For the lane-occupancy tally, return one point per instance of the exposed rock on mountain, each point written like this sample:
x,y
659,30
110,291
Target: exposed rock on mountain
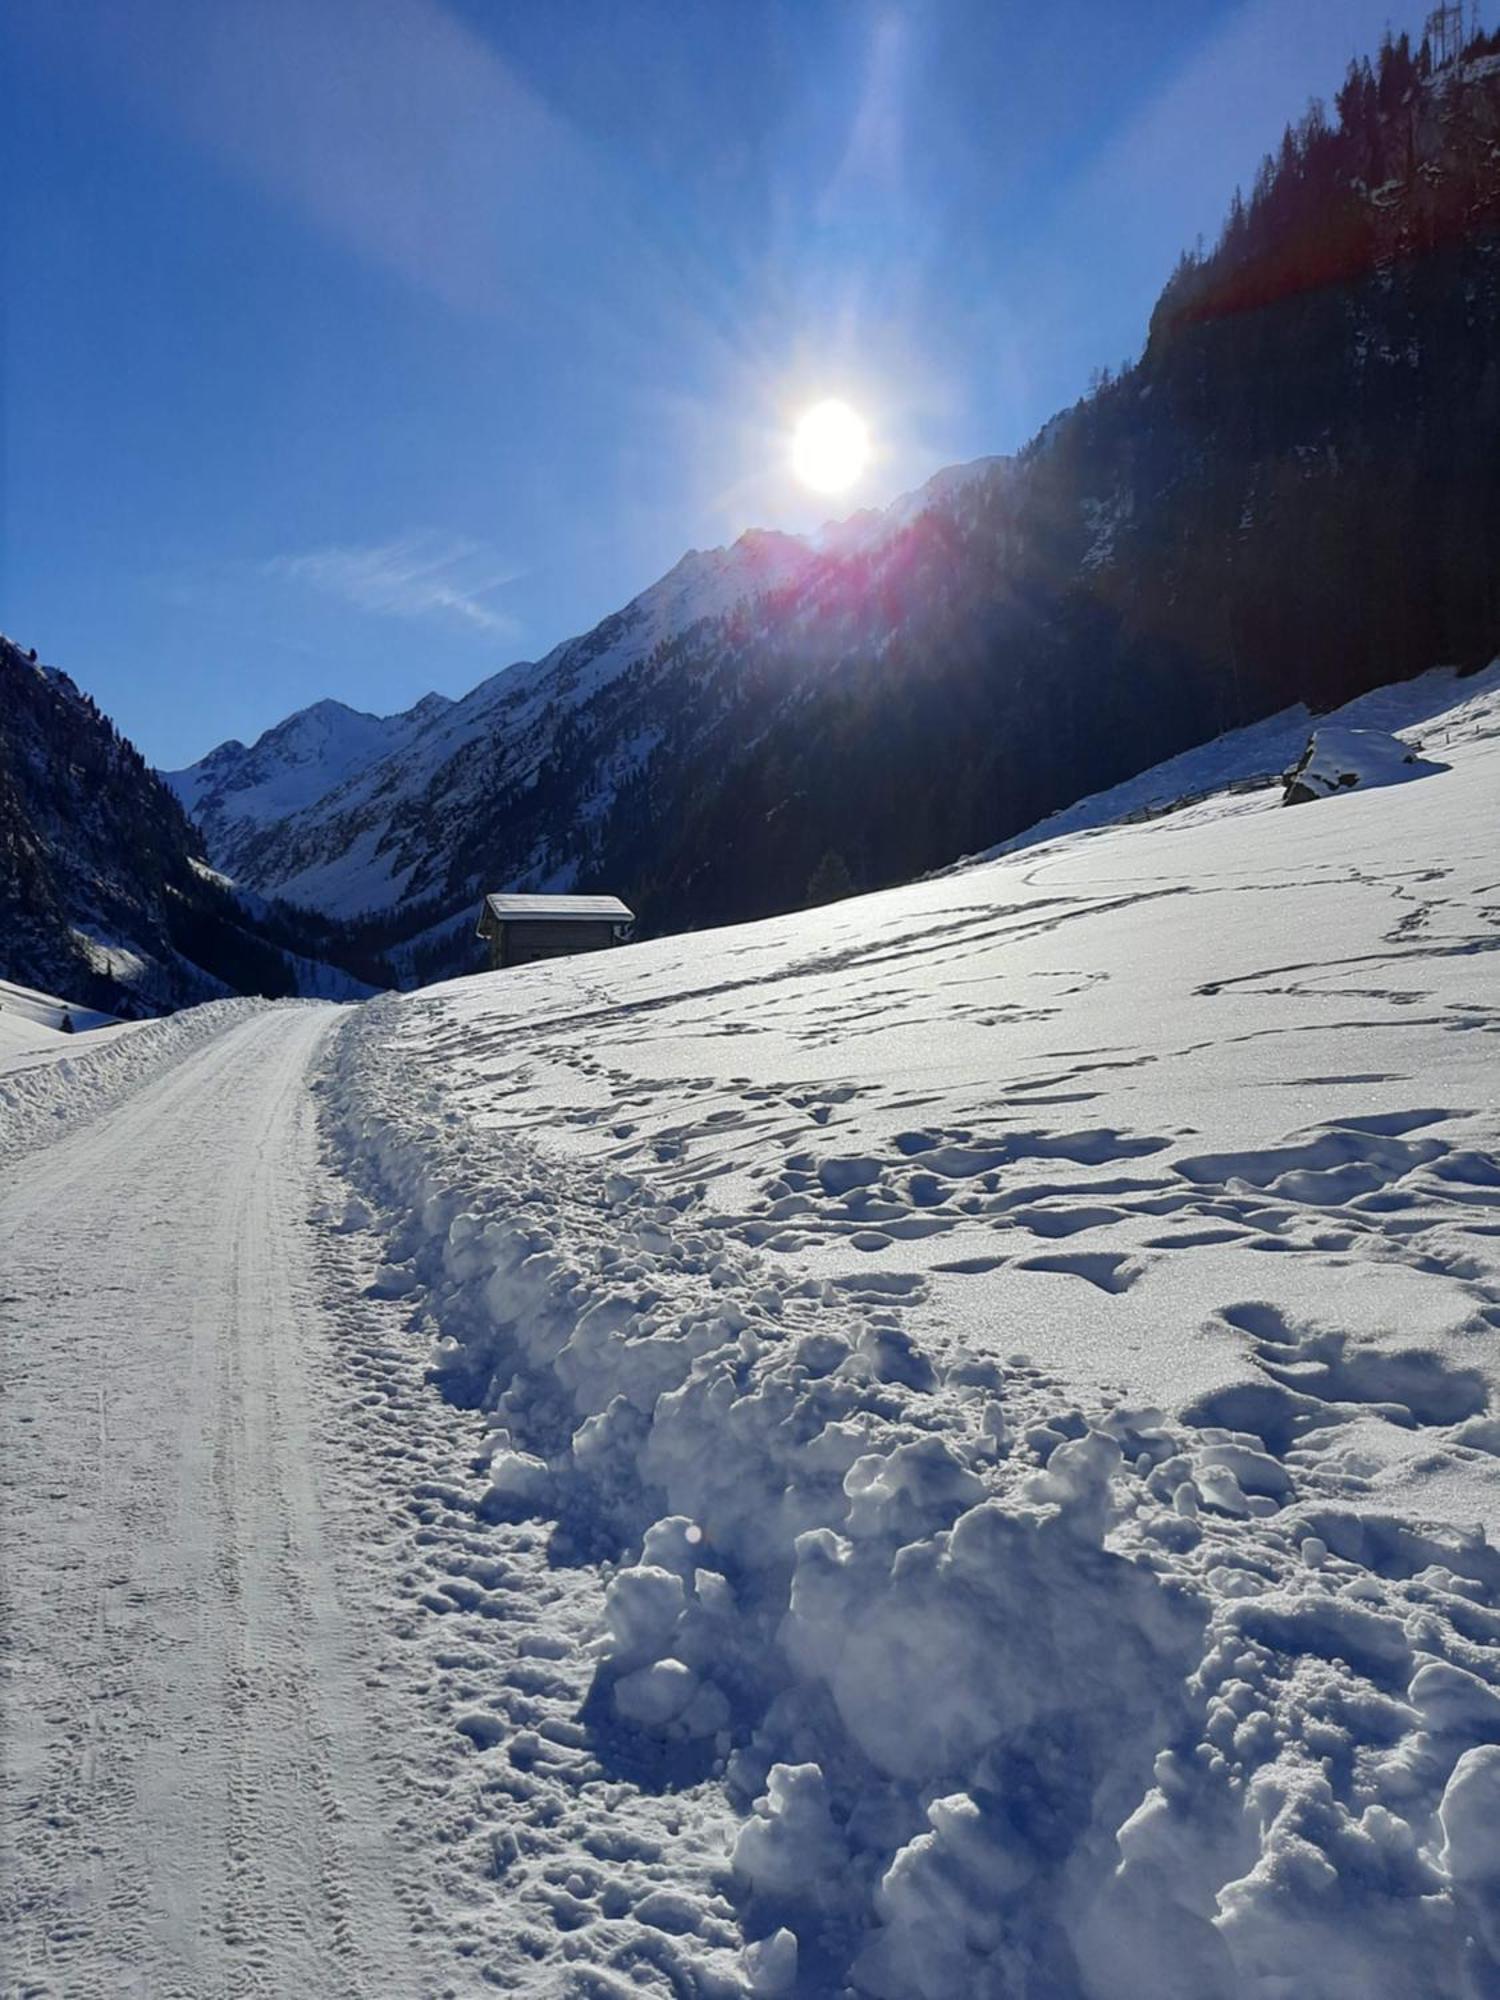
x,y
1338,759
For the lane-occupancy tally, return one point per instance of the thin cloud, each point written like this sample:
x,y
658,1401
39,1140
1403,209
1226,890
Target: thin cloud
x,y
393,125
873,167
415,576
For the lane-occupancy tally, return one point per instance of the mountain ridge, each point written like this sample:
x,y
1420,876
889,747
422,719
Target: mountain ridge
x,y
1291,496
228,769
280,845
105,895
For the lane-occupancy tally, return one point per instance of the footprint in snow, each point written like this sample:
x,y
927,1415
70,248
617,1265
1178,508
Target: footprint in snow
x,y
1110,1271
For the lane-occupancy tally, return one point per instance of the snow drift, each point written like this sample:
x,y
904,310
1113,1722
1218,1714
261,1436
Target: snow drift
x,y
69,1080
1338,758
1019,1354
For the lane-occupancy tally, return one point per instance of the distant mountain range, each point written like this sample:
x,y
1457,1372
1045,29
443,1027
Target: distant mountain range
x,y
1294,495
403,820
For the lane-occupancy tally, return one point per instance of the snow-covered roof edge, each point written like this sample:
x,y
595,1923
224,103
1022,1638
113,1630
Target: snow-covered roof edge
x,y
558,909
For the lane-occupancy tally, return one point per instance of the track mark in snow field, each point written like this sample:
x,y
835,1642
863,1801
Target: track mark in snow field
x,y
1109,1271
192,1799
1408,1386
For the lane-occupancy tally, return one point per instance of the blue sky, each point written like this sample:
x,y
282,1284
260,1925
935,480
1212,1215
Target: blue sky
x,y
359,347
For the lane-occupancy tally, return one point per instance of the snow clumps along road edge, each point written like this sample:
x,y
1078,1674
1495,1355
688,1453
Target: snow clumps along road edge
x,y
1012,1698
43,1096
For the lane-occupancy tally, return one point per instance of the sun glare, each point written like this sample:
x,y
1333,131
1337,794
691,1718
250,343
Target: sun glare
x,y
830,446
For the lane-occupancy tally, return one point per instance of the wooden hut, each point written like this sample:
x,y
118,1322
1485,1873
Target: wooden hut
x,y
520,929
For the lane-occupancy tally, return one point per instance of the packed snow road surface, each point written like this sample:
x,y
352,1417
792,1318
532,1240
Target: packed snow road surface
x,y
192,1802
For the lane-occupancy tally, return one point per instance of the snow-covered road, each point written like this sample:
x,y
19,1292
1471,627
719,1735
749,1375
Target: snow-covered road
x,y
944,1445
194,1800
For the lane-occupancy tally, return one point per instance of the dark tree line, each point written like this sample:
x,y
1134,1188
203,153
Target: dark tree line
x,y
1293,495
92,843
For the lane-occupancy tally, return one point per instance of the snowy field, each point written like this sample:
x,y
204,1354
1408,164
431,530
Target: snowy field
x,y
945,1445
1023,1353
32,1021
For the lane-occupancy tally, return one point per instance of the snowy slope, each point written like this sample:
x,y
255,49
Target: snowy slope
x,y
1007,1368
348,813
294,764
46,1010
22,1034
1429,709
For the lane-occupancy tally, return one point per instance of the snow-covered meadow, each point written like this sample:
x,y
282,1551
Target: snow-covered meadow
x,y
31,1021
981,1412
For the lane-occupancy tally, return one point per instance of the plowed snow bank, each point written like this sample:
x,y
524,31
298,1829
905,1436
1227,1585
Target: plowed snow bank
x,y
46,1092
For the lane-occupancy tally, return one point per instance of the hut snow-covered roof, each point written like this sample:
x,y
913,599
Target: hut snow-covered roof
x,y
507,909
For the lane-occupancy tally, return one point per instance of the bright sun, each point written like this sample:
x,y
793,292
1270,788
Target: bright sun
x,y
830,446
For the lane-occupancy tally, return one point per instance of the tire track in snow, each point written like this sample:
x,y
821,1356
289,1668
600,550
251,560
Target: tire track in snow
x,y
194,1803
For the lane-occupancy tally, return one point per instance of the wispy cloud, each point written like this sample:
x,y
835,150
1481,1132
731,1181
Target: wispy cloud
x,y
416,576
394,125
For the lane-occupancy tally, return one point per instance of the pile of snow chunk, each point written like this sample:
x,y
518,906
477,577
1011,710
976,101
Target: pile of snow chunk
x,y
83,1076
669,1621
1015,1699
1019,1676
1338,758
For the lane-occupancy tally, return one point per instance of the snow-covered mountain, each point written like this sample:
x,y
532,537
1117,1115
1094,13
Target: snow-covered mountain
x,y
293,764
353,813
105,896
1292,497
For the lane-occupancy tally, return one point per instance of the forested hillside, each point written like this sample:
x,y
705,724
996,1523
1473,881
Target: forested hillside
x,y
105,897
1294,494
